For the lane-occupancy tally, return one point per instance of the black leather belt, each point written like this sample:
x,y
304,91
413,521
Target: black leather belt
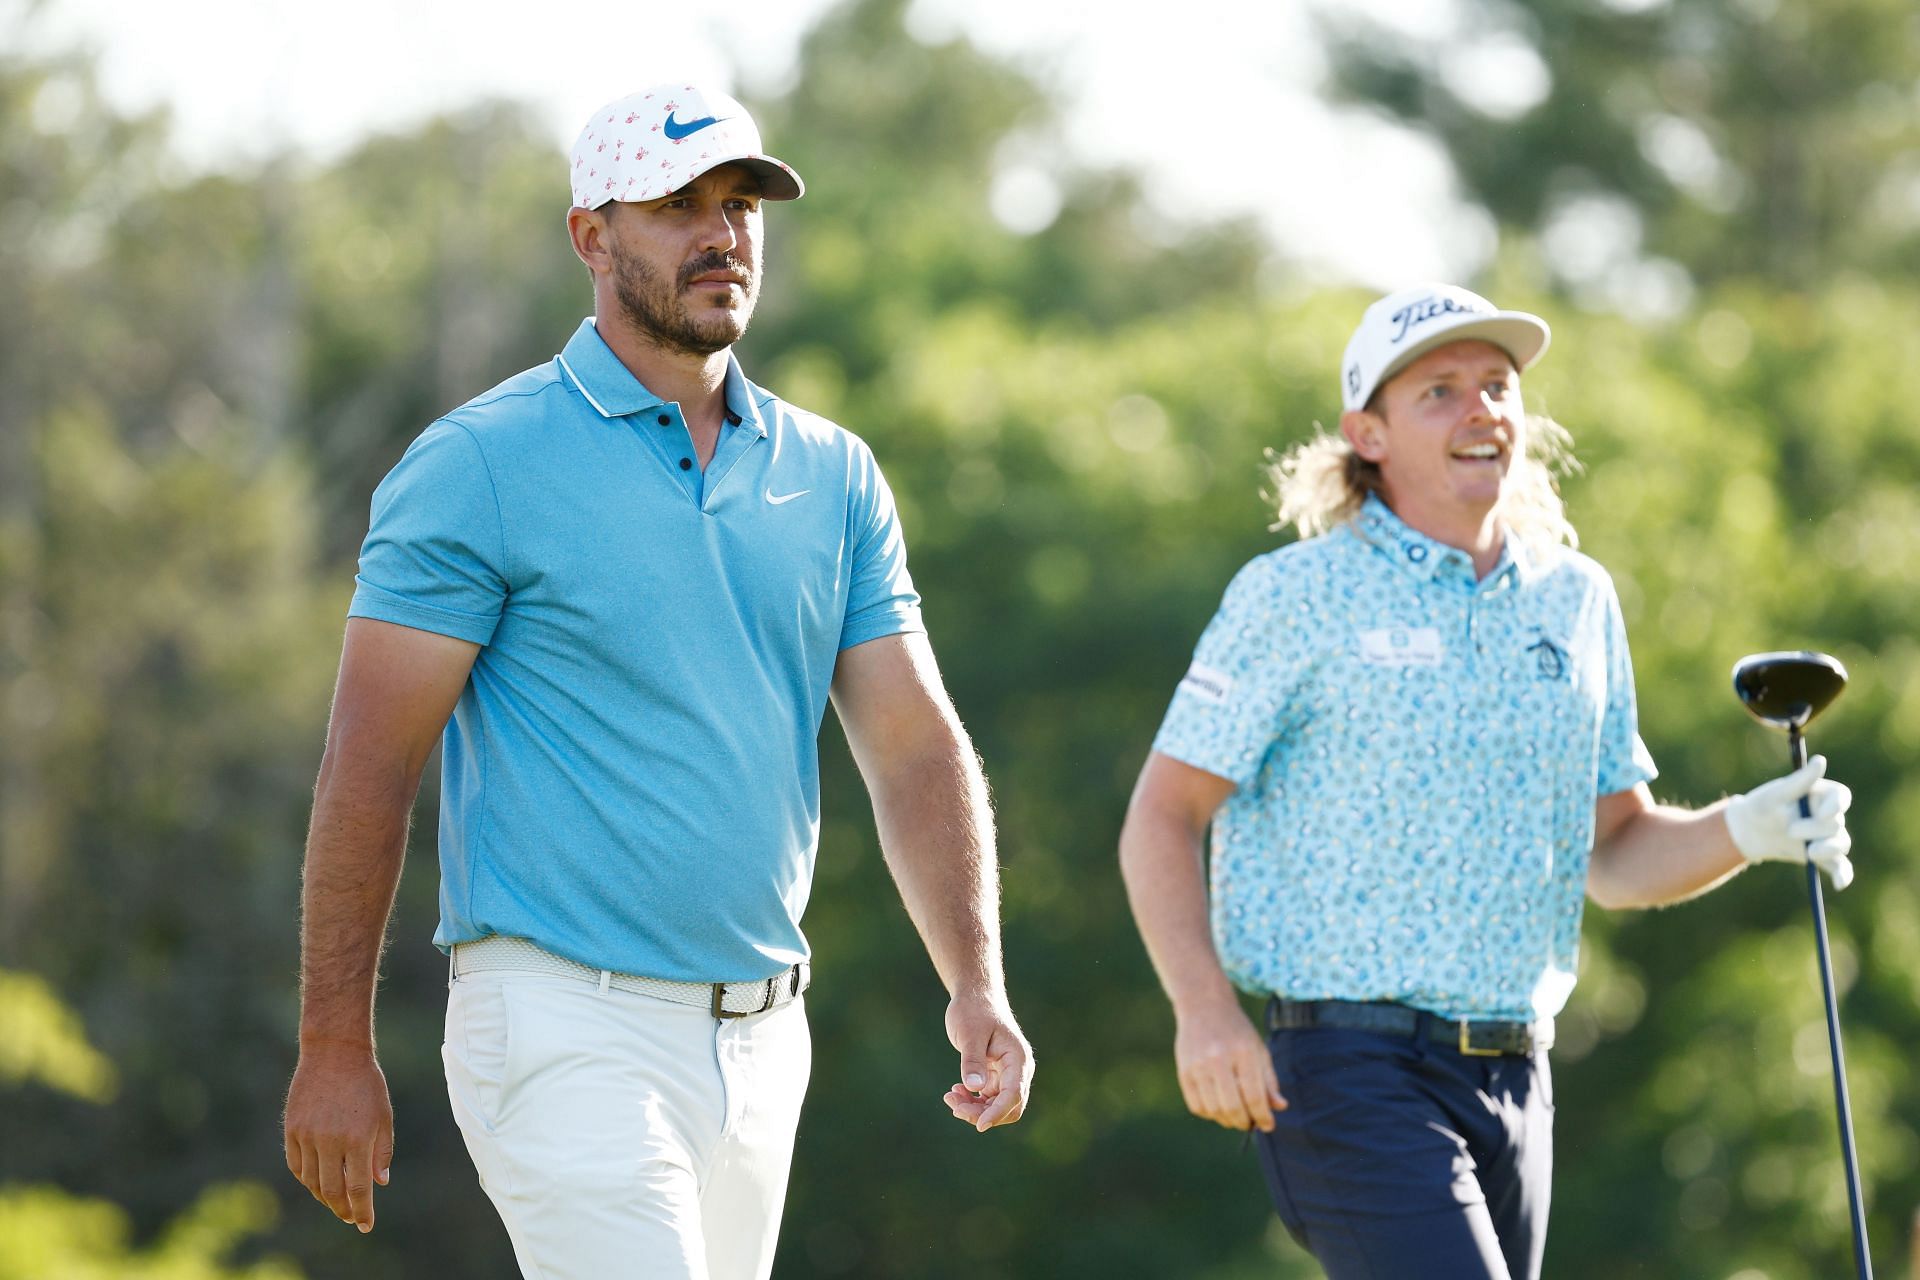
x,y
1473,1037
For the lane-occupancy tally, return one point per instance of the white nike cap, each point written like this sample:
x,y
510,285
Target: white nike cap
x,y
654,142
1403,326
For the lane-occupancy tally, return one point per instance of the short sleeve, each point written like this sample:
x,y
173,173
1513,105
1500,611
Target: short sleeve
x,y
881,600
435,549
1228,708
1625,761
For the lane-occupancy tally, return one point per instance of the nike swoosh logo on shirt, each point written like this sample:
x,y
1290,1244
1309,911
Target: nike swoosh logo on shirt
x,y
776,499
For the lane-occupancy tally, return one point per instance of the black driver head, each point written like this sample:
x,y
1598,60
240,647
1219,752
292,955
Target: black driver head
x,y
1786,690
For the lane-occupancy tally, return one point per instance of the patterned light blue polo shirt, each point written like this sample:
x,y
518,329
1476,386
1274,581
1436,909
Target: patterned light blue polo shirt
x,y
1417,757
631,777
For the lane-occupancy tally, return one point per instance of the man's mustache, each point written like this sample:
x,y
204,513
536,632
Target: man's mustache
x,y
715,261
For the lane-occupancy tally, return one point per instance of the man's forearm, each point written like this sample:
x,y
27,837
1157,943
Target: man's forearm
x,y
355,847
936,831
1663,854
1160,860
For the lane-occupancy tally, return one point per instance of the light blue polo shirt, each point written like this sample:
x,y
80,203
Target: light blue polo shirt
x,y
631,776
1417,756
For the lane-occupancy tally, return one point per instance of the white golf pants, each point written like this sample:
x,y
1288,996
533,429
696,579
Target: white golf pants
x,y
620,1135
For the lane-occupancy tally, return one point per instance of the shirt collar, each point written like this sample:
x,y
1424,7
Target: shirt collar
x,y
614,392
742,399
1427,558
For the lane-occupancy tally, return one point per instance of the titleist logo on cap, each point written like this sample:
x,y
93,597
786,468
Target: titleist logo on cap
x,y
1428,308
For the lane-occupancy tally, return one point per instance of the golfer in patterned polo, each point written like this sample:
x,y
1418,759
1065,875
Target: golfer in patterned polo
x,y
1413,733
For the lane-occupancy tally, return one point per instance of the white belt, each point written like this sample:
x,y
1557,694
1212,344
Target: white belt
x,y
722,999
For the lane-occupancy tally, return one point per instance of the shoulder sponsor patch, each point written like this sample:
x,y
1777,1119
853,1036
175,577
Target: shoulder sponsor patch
x,y
1402,647
1208,684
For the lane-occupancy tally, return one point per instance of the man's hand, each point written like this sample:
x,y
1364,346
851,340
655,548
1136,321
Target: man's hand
x,y
1766,823
1226,1074
996,1063
339,1129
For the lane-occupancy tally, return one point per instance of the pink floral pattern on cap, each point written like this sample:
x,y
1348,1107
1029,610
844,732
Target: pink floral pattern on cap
x,y
718,125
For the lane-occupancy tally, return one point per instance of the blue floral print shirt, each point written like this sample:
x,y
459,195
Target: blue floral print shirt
x,y
1417,757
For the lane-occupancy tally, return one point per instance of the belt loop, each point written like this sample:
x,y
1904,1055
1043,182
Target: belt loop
x,y
606,980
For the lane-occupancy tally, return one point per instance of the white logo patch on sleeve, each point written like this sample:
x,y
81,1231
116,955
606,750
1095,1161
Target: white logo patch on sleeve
x,y
1206,683
1402,647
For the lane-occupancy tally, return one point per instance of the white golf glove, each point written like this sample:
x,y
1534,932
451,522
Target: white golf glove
x,y
1767,827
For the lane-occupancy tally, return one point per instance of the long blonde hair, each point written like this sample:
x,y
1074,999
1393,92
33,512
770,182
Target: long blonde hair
x,y
1322,482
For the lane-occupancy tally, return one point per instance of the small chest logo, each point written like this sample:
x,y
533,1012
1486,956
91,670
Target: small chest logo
x,y
1550,660
1402,647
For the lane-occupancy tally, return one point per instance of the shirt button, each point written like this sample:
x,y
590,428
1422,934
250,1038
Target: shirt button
x,y
686,464
1416,552
665,420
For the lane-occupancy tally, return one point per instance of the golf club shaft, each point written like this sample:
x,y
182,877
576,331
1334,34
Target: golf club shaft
x,y
1863,1265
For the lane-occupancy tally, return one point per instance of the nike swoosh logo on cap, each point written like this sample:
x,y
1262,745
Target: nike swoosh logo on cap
x,y
777,499
676,130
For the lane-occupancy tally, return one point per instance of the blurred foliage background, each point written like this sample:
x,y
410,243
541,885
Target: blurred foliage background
x,y
201,380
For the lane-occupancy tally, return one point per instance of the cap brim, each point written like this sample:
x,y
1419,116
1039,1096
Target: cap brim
x,y
1522,336
777,180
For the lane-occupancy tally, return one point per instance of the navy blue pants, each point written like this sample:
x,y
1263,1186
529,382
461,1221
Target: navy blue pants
x,y
1403,1157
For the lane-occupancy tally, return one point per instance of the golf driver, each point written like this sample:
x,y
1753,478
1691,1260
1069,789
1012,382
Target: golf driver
x,y
1785,691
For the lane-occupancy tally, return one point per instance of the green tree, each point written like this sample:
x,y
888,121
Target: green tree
x,y
47,1232
1772,139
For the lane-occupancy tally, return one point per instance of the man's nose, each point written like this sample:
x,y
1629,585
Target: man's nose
x,y
717,230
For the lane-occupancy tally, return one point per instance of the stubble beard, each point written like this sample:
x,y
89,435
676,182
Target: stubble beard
x,y
666,317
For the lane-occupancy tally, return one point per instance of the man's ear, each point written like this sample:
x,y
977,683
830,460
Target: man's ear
x,y
590,232
1366,432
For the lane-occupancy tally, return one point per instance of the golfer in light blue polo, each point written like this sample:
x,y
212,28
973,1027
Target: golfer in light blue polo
x,y
1413,735
620,589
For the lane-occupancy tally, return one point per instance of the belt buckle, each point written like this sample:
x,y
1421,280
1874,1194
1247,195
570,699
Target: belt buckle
x,y
1466,1043
720,995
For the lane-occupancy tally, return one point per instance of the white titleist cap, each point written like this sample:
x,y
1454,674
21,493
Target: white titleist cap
x,y
647,144
1403,326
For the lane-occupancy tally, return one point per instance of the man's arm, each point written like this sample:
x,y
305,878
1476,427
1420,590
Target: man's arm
x,y
1647,854
397,687
936,830
1225,1072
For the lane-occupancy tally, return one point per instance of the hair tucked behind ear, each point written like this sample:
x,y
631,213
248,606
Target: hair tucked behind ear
x,y
1322,482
